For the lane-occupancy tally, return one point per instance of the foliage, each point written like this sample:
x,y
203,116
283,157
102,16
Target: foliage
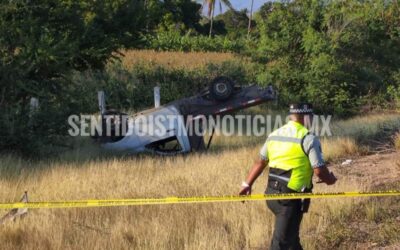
x,y
164,15
40,43
329,53
173,40
132,88
235,23
393,90
394,95
210,4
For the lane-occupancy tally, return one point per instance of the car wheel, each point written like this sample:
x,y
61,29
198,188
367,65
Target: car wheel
x,y
221,88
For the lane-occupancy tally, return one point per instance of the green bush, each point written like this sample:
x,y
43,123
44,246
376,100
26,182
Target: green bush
x,y
174,41
394,95
334,54
133,89
40,44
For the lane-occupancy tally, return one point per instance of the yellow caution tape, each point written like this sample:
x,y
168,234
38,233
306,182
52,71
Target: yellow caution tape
x,y
198,199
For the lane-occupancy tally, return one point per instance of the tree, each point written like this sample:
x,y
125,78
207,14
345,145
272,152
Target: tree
x,y
330,53
211,7
168,13
41,43
235,22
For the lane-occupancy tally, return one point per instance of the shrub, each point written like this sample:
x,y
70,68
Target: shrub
x,y
40,44
324,52
132,88
175,41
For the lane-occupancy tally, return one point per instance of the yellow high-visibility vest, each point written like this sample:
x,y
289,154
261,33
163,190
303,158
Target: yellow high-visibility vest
x,y
285,151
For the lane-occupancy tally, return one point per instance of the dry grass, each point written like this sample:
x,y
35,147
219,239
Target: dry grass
x,y
167,227
396,140
339,147
187,60
367,126
192,226
206,226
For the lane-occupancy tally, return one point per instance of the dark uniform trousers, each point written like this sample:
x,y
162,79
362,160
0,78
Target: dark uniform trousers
x,y
288,216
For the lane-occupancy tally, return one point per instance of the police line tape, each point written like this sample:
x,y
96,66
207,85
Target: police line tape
x,y
198,199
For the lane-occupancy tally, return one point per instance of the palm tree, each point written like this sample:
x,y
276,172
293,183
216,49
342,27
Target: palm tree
x,y
211,7
250,19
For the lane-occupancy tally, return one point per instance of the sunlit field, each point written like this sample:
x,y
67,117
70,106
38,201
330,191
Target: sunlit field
x,y
72,71
87,173
187,60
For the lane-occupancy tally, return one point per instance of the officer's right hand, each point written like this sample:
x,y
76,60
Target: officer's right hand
x,y
324,175
332,180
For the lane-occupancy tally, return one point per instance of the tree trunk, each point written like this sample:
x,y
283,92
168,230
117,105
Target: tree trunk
x,y
147,16
250,19
212,19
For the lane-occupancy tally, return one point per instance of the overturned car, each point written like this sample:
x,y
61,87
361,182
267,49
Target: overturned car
x,y
165,129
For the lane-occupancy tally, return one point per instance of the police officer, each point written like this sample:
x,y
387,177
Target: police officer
x,y
293,155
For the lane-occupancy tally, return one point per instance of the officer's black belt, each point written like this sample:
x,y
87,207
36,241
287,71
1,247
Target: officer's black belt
x,y
278,179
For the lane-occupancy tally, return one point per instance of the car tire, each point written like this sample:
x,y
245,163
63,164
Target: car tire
x,y
221,88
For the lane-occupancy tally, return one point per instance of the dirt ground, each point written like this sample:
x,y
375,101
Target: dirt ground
x,y
376,172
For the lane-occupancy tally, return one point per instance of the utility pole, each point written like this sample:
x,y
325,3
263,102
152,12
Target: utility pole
x,y
212,18
250,19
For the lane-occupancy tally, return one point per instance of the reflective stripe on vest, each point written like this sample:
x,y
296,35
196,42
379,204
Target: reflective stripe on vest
x,y
285,151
